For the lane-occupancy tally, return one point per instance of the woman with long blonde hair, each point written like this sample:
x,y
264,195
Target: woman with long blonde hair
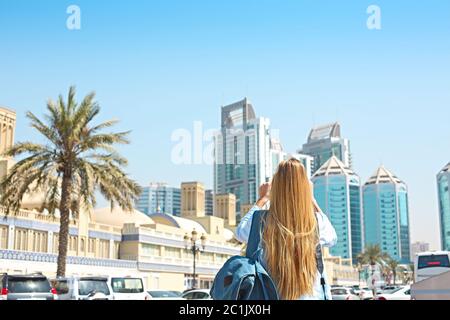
x,y
294,231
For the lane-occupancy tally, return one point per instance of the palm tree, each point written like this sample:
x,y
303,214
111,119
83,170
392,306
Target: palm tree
x,y
392,264
76,161
373,255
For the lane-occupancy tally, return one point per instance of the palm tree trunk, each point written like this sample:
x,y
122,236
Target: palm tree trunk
x,y
64,208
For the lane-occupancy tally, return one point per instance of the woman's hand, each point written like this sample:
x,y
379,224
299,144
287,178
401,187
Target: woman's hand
x,y
264,194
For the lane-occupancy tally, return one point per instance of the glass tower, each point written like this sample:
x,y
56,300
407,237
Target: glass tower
x,y
386,214
326,141
160,198
443,180
337,190
242,153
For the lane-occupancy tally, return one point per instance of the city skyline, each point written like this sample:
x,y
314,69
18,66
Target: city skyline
x,y
300,65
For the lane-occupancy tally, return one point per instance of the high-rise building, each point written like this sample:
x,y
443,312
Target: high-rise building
x,y
192,200
386,214
160,198
443,181
326,141
418,247
226,208
7,128
337,190
277,154
209,202
242,153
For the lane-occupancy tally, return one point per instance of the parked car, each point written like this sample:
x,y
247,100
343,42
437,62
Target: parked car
x,y
389,289
164,295
197,294
82,288
342,293
26,287
365,294
128,288
177,293
403,293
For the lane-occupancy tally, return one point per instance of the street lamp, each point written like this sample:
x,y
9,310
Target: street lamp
x,y
191,244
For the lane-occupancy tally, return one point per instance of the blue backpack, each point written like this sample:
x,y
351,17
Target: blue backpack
x,y
244,278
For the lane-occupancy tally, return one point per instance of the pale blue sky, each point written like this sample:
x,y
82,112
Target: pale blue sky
x,y
161,65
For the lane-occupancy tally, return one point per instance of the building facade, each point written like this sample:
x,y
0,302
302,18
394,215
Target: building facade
x,y
277,154
226,208
192,199
443,181
7,129
337,190
242,153
209,202
159,197
419,247
324,142
386,214
114,243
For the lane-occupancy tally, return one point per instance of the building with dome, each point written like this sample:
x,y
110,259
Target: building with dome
x,y
105,242
386,214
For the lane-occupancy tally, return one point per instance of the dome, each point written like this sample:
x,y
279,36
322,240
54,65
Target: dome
x,y
118,217
228,234
182,223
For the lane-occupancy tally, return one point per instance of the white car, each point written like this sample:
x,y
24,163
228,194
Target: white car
x,y
164,295
364,294
128,288
342,293
402,293
82,288
197,294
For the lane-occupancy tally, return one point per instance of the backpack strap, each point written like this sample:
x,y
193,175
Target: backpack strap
x,y
254,238
319,261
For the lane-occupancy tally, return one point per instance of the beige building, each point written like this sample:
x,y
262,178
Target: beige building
x,y
7,129
225,208
115,242
192,199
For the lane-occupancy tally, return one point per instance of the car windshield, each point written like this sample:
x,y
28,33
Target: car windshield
x,y
392,291
339,292
127,285
163,294
87,286
28,285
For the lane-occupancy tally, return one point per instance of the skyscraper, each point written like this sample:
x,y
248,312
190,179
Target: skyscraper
x,y
242,153
337,190
386,214
209,202
160,198
326,141
277,154
443,181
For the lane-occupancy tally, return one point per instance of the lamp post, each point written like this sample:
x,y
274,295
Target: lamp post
x,y
191,244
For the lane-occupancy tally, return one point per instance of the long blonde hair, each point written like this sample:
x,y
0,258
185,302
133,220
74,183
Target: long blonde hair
x,y
290,232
